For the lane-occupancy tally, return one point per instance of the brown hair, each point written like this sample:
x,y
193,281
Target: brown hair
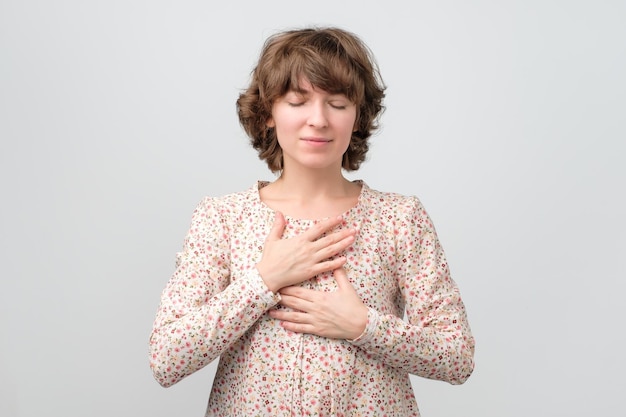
x,y
332,60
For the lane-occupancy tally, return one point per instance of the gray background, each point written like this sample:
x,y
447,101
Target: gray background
x,y
507,119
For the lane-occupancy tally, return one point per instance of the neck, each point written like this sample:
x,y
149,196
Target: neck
x,y
313,185
311,194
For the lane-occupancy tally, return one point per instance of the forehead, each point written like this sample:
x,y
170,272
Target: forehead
x,y
304,86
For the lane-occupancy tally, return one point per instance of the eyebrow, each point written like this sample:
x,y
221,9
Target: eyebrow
x,y
305,92
298,90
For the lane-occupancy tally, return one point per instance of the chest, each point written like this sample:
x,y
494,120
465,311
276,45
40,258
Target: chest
x,y
371,260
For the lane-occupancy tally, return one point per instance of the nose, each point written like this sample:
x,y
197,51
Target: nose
x,y
317,117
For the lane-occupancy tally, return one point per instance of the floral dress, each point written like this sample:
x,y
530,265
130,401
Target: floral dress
x,y
216,305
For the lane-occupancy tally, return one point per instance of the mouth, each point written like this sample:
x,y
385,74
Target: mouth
x,y
316,140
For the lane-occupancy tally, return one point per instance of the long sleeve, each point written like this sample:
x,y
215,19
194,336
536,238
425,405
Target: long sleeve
x,y
202,311
435,340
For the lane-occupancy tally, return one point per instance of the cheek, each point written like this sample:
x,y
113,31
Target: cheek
x,y
286,120
285,130
350,124
285,127
351,121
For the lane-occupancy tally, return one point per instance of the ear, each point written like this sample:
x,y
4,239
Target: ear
x,y
270,123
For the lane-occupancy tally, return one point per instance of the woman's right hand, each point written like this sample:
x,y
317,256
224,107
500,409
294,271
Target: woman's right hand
x,y
291,261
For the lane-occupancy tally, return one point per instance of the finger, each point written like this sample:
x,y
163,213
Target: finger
x,y
296,303
329,265
297,291
290,316
332,245
278,227
298,327
318,230
334,237
341,277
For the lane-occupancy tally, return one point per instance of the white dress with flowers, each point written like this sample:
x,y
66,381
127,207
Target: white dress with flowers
x,y
216,304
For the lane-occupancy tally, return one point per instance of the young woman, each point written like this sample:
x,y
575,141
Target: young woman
x,y
319,295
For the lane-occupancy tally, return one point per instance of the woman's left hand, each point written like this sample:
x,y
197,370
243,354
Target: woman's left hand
x,y
338,314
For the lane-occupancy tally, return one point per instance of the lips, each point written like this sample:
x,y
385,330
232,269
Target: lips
x,y
316,140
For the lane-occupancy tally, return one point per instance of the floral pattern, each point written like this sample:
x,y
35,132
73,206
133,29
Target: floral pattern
x,y
216,304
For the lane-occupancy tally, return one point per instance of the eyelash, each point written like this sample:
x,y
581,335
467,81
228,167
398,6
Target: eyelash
x,y
334,106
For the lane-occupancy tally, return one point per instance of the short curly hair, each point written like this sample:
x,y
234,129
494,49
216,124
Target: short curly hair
x,y
331,59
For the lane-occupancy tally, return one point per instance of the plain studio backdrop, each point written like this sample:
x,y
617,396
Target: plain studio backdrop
x,y
506,118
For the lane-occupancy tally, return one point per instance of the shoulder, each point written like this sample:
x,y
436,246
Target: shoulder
x,y
389,200
229,204
397,206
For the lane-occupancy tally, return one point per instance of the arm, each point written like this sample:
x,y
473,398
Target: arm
x,y
436,341
201,312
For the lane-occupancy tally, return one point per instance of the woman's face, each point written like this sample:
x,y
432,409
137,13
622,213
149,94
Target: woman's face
x,y
313,127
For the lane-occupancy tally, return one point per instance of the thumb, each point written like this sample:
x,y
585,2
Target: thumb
x,y
341,277
276,233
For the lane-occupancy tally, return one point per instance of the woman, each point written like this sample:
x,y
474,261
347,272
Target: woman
x,y
300,285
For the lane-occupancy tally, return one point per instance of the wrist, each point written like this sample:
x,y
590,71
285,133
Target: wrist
x,y
265,276
360,323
